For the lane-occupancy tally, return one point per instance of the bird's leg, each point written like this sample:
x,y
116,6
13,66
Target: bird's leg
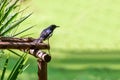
x,y
49,45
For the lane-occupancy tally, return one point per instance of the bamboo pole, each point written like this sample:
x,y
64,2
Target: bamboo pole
x,y
38,54
27,45
10,39
42,70
43,58
23,45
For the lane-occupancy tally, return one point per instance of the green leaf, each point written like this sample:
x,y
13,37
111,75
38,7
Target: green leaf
x,y
4,69
18,66
8,22
8,11
24,68
26,35
3,4
22,31
14,25
2,7
14,52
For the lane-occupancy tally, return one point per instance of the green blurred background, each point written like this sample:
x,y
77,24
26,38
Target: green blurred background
x,y
85,47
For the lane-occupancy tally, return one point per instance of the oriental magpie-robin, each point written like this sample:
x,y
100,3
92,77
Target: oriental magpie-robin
x,y
46,34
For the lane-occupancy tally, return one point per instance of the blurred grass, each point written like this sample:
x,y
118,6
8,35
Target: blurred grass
x,y
85,24
86,46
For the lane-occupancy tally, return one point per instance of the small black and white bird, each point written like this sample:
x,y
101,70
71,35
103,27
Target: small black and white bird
x,y
46,34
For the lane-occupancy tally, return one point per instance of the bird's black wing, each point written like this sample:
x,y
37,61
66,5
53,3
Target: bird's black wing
x,y
45,34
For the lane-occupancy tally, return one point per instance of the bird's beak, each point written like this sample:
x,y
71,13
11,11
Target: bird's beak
x,y
57,26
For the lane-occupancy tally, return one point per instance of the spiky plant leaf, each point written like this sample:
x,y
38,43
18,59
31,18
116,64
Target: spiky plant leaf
x,y
14,52
22,70
8,21
8,10
4,69
18,66
22,31
3,4
14,25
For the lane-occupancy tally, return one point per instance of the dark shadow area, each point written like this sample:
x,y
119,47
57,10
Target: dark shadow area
x,y
89,56
84,74
88,61
88,52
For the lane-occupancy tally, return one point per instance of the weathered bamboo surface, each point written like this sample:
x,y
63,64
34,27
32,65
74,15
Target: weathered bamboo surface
x,y
10,39
42,70
23,45
28,45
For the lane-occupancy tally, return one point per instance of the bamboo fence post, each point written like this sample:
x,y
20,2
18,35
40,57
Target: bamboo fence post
x,y
27,45
42,70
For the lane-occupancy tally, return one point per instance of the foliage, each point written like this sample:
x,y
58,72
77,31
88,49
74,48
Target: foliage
x,y
10,21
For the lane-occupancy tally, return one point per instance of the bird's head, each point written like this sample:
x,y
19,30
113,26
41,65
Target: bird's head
x,y
53,26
